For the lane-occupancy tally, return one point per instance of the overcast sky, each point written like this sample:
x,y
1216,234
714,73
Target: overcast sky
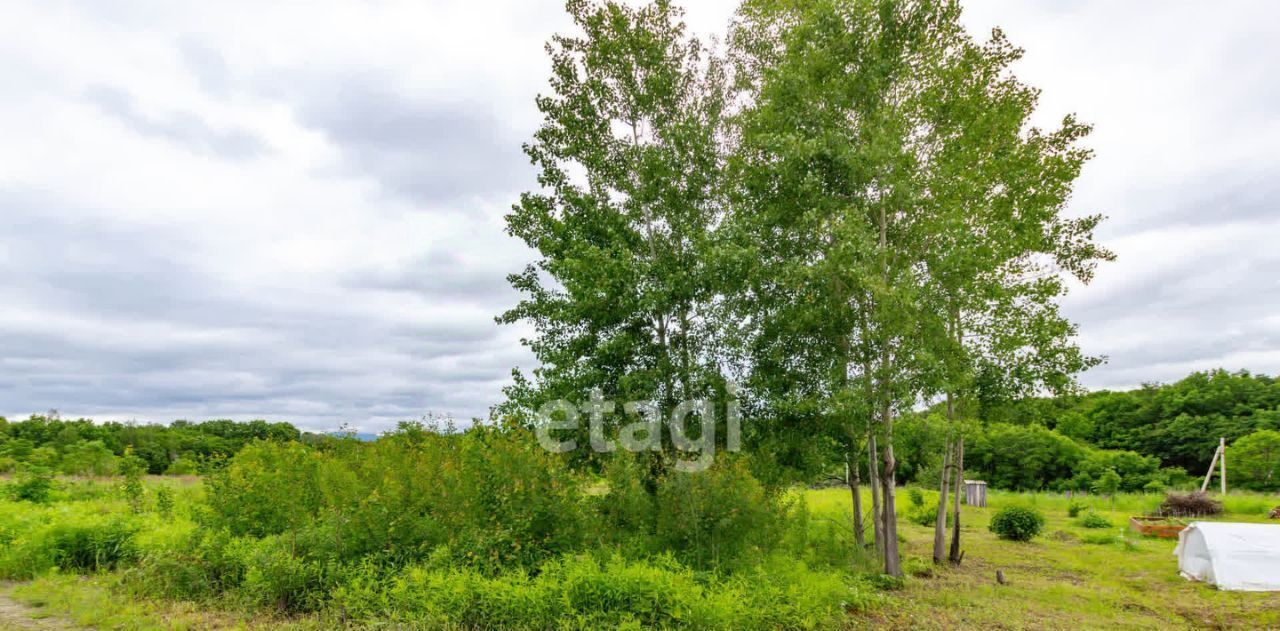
x,y
294,211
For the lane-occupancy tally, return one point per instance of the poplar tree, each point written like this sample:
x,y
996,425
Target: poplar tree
x,y
908,217
629,159
1002,248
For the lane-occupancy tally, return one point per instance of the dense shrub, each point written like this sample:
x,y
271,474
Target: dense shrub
x,y
33,484
1194,504
1074,508
75,542
164,501
276,576
717,516
170,575
90,545
204,563
514,503
268,488
492,495
88,458
1023,457
627,510
1094,520
1017,523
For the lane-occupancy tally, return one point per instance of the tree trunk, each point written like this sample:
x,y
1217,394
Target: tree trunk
x,y
956,555
888,479
851,462
876,515
940,524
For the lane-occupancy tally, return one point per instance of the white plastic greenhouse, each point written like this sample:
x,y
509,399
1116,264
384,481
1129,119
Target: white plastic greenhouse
x,y
1238,557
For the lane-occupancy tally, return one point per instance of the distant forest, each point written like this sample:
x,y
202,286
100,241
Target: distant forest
x,y
1153,437
1156,436
1175,424
83,447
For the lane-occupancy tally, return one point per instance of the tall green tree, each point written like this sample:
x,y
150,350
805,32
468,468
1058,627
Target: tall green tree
x,y
630,163
1256,460
902,221
829,207
1001,248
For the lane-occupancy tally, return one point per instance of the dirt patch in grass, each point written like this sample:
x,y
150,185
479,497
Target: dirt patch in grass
x,y
15,615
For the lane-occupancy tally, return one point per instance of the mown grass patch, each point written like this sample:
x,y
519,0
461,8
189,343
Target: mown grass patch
x,y
1058,581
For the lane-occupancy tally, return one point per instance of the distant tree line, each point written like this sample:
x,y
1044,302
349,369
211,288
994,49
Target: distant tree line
x,y
83,447
1154,436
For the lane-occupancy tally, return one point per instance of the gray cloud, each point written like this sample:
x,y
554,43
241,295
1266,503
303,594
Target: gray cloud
x,y
1243,193
182,128
443,275
426,150
207,64
113,318
184,269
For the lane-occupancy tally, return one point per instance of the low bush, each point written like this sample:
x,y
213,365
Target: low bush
x,y
202,564
1094,520
92,545
164,501
1017,523
82,543
33,484
918,567
917,497
277,577
926,516
1194,504
1074,508
583,592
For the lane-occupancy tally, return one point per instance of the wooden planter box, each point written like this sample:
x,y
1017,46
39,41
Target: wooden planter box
x,y
1156,527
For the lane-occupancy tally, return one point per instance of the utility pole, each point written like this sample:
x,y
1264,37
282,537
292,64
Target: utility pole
x,y
1219,460
1222,449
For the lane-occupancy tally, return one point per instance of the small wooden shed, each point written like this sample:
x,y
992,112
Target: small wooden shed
x,y
975,492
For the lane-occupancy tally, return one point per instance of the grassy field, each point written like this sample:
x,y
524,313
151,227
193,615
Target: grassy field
x,y
1070,577
1058,580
